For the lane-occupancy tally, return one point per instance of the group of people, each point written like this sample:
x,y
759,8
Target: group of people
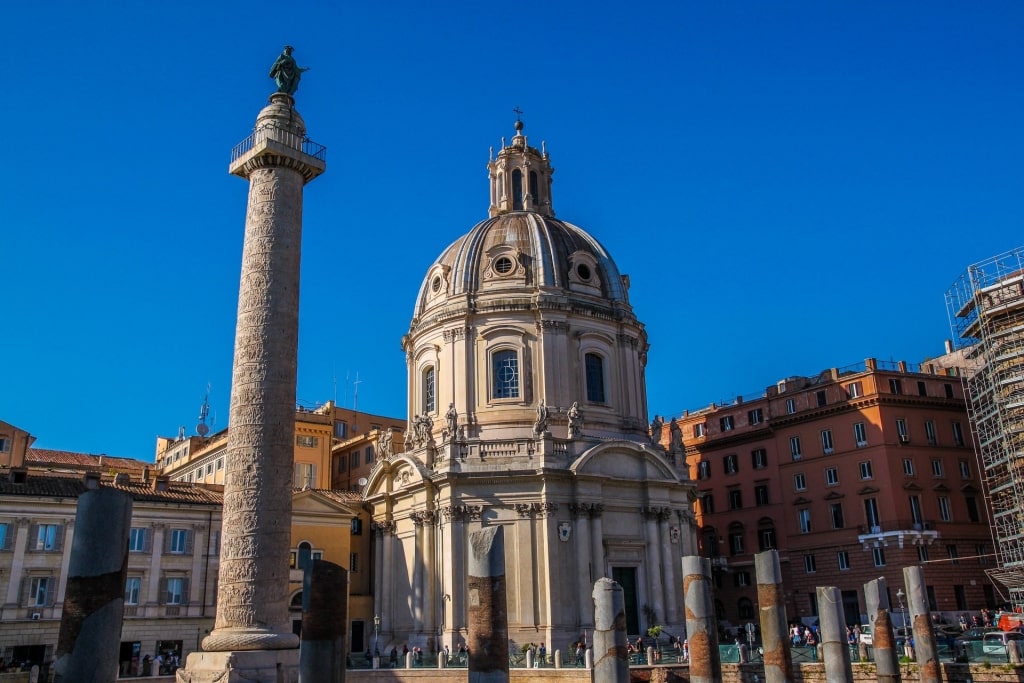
x,y
804,636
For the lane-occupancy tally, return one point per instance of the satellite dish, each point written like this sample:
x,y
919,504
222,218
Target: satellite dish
x,y
202,429
362,481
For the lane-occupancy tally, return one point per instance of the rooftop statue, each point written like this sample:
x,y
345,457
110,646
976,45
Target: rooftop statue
x,y
286,73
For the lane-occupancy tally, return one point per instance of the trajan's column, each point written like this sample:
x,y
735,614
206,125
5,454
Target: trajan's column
x,y
252,638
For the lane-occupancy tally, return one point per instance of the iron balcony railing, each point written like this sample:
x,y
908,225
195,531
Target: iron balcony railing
x,y
283,136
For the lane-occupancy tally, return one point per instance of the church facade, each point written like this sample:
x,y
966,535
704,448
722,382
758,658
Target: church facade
x,y
527,390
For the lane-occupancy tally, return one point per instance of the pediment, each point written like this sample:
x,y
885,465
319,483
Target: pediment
x,y
867,490
801,501
834,495
911,486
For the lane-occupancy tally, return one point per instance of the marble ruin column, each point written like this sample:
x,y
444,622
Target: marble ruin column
x,y
611,658
887,659
833,644
324,619
252,593
668,564
701,625
488,613
925,647
90,625
771,601
654,559
581,532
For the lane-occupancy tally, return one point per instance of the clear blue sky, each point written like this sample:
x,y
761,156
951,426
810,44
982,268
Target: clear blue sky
x,y
790,185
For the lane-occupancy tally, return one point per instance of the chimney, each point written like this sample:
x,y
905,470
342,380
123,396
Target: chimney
x,y
949,346
145,474
161,482
91,480
101,461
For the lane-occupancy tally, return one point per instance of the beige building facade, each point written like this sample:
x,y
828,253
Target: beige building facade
x,y
528,402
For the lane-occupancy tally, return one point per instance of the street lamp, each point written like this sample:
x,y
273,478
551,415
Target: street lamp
x,y
899,598
376,642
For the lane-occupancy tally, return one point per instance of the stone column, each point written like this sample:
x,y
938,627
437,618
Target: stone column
x,y
488,616
522,608
458,570
324,618
417,572
159,532
584,584
887,659
386,594
701,624
597,540
430,623
668,564
611,659
925,648
252,591
771,601
90,625
654,560
835,649
378,573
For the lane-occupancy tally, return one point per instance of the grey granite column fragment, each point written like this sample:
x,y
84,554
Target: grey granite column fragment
x,y
90,625
701,625
771,602
883,642
835,650
487,608
324,617
611,658
925,647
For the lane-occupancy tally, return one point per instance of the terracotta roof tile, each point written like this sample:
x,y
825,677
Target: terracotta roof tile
x,y
44,457
72,487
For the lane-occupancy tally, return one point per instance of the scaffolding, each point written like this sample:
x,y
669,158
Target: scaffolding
x,y
986,314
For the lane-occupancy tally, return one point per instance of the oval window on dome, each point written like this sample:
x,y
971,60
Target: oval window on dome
x,y
583,270
435,286
503,265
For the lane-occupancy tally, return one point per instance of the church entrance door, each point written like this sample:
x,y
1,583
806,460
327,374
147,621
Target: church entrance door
x,y
626,577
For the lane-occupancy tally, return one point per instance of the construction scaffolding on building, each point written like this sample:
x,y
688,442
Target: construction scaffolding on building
x,y
986,313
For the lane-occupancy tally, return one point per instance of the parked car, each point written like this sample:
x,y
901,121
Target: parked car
x,y
995,642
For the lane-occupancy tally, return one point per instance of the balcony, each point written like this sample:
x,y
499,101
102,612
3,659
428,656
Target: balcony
x,y
914,532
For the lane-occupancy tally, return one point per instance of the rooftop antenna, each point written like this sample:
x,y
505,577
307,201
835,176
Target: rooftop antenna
x,y
355,403
181,433
202,429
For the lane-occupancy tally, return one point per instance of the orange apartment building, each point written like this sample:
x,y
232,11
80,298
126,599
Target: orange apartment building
x,y
850,475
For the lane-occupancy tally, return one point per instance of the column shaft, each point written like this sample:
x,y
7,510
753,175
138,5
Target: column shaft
x,y
771,600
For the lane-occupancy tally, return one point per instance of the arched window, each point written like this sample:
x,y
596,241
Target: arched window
x,y
305,554
534,187
505,379
429,397
746,608
517,190
595,377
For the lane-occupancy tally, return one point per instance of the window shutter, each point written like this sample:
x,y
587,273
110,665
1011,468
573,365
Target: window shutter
x,y
190,537
163,591
168,533
58,538
26,582
147,540
51,590
33,537
216,542
184,592
297,476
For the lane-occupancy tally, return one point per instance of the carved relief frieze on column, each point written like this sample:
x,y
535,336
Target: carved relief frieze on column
x,y
524,509
475,512
418,518
382,529
23,521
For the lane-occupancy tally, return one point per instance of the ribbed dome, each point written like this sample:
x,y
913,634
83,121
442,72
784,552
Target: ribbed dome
x,y
525,251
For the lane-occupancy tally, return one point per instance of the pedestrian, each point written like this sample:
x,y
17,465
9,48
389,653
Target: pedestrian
x,y
542,654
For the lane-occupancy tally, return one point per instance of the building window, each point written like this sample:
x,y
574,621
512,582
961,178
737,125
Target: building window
x,y
745,608
871,515
595,377
908,467
736,542
953,554
367,454
901,430
306,441
132,588
843,560
220,464
305,475
972,508
865,470
761,494
725,423
944,511
741,579
965,469
704,469
5,445
878,556
357,527
831,476
895,387
915,512
790,406
826,441
821,398
40,591
707,503
929,432
937,468
949,390
960,595
810,564
340,430
922,553
5,536
766,539
353,562
47,537
854,390
505,366
836,512
981,554
731,464
209,468
794,447
958,435
178,541
759,458
860,435
735,499
755,416
799,483
922,388
174,590
137,540
698,430
803,516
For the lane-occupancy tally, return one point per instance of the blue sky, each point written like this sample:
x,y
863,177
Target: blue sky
x,y
790,185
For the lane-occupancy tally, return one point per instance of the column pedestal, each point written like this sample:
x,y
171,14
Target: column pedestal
x,y
241,667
